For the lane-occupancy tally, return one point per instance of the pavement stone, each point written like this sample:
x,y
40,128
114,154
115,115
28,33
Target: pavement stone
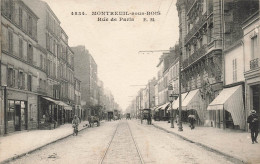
x,y
231,143
19,144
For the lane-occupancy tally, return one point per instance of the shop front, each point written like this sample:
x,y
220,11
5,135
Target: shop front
x,y
230,105
48,113
192,105
17,115
175,107
21,111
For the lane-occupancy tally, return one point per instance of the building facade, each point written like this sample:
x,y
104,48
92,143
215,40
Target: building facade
x,y
23,75
251,54
86,72
206,29
56,105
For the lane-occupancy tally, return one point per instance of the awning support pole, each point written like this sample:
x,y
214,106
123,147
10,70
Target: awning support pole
x,y
224,119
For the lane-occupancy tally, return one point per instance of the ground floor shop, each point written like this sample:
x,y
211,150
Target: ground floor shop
x,y
252,90
20,110
53,113
214,107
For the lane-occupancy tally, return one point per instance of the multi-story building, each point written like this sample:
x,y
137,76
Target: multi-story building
x,y
206,28
56,107
251,48
77,110
165,78
86,72
23,75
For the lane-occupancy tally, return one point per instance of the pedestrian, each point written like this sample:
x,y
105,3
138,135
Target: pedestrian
x,y
75,124
253,125
177,119
192,120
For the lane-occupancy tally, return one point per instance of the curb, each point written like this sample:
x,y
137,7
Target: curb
x,y
35,149
230,157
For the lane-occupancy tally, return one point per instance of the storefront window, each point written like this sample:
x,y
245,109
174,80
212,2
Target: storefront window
x,y
10,112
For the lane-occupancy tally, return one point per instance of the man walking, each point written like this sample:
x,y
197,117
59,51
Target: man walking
x,y
253,125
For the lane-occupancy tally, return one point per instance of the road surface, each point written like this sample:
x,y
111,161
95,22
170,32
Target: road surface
x,y
123,142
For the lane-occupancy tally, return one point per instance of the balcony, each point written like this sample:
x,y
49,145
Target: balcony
x,y
254,63
195,56
196,27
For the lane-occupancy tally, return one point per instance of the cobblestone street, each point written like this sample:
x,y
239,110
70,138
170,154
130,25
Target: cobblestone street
x,y
115,138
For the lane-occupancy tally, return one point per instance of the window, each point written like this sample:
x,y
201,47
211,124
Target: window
x,y
234,63
21,48
10,42
254,47
11,77
21,80
30,53
29,26
20,17
210,33
29,82
10,111
41,61
7,8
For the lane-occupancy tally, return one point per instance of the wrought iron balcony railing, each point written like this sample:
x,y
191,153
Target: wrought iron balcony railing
x,y
254,63
196,27
195,56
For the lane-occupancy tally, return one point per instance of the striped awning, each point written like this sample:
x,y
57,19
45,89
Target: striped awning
x,y
176,102
163,107
51,100
67,107
192,100
231,99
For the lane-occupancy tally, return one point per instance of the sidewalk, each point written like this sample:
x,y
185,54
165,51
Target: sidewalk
x,y
24,142
231,143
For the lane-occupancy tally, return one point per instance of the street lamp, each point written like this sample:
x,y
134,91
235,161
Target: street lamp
x,y
171,98
5,108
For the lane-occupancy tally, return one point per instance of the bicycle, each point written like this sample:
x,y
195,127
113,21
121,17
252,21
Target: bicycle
x,y
75,129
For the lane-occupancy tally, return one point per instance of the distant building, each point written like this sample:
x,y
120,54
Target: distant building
x,y
86,72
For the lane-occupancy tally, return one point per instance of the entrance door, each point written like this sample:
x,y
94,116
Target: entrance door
x,y
24,114
256,100
17,121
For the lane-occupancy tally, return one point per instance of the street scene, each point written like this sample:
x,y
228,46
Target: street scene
x,y
129,81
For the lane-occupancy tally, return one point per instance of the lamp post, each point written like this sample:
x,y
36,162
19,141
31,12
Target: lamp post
x,y
171,100
5,109
180,99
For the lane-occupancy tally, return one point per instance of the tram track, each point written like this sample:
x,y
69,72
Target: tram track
x,y
105,155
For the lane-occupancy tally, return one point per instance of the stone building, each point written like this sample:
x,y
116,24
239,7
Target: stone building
x,y
78,110
23,71
56,105
251,54
86,72
206,29
166,66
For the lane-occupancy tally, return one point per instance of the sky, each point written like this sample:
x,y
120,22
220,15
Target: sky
x,y
115,45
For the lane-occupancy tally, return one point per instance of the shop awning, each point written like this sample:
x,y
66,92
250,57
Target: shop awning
x,y
192,100
176,102
157,108
231,99
164,106
50,99
68,107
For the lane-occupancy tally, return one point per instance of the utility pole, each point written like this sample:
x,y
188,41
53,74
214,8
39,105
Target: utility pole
x,y
180,99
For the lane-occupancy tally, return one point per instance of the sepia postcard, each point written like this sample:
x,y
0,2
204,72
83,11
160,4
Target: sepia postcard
x,y
129,81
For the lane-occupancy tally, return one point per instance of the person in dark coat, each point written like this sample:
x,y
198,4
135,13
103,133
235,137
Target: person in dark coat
x,y
253,125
